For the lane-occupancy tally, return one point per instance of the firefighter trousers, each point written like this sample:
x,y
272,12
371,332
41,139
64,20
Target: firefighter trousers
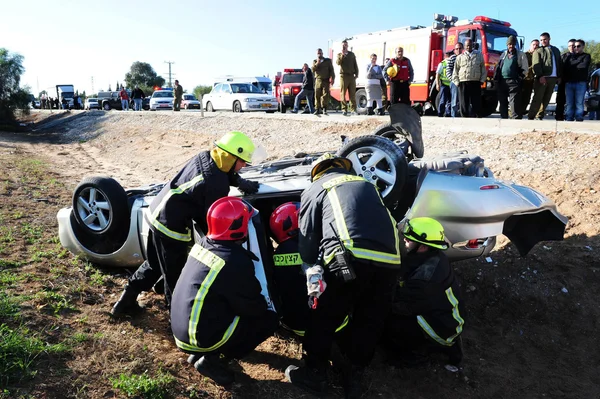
x,y
321,94
399,92
348,84
367,299
166,258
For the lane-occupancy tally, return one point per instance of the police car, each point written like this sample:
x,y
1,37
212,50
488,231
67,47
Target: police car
x,y
162,99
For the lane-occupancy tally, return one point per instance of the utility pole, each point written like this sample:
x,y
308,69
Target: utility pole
x,y
92,85
170,63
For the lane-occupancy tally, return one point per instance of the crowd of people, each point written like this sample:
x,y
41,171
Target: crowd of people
x,y
459,78
47,102
327,260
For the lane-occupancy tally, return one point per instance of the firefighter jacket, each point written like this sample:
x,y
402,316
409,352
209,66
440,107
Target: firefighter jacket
x,y
349,207
187,197
428,290
405,70
290,284
347,63
469,67
217,287
323,69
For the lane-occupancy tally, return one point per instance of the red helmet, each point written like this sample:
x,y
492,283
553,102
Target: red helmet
x,y
284,221
228,219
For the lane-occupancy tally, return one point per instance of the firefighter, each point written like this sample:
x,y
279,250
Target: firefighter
x,y
288,276
403,75
350,251
426,314
218,312
324,77
186,199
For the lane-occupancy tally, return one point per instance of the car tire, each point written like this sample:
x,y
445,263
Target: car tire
x,y
388,173
185,106
106,106
237,107
361,102
100,206
209,107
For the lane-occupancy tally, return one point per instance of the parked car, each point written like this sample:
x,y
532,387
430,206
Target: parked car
x,y
107,225
161,99
91,103
238,97
189,101
108,100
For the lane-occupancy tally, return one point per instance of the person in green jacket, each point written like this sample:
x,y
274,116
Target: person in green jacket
x,y
178,92
324,77
348,75
547,68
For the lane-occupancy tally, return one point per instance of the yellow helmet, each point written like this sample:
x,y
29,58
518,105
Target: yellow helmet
x,y
426,231
238,144
392,71
327,161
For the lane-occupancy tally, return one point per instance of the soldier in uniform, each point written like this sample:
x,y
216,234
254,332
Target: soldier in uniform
x,y
348,75
178,96
324,77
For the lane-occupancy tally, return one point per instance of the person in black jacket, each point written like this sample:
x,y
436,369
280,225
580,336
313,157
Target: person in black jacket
x,y
575,74
184,200
426,313
218,312
308,91
137,95
351,258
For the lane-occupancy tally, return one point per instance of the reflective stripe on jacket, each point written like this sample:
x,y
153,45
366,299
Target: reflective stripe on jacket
x,y
217,287
351,208
187,197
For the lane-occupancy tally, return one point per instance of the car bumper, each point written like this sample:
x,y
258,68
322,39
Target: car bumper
x,y
155,107
593,103
193,106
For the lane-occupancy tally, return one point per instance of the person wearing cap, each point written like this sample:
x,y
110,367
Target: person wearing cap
x,y
218,312
509,74
426,314
351,258
184,200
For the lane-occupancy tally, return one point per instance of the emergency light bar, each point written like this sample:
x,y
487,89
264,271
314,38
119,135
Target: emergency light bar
x,y
292,70
481,18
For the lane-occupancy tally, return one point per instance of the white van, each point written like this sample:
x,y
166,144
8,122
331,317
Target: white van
x,y
263,83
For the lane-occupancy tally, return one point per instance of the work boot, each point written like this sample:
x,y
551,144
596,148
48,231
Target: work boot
x,y
455,353
309,379
345,113
370,111
317,112
381,111
127,303
215,368
325,112
352,379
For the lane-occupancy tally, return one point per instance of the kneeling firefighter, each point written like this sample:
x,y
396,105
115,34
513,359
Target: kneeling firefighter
x,y
184,200
218,312
288,276
344,222
426,313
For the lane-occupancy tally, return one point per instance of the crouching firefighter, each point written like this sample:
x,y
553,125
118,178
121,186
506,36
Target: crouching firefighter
x,y
218,312
184,200
426,313
344,221
288,276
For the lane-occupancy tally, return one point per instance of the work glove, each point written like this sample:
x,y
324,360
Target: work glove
x,y
315,284
247,186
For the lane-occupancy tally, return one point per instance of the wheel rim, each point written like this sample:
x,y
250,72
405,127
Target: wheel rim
x,y
375,166
362,102
237,107
94,209
209,107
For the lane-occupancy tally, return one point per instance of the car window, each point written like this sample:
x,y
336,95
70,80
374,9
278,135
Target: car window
x,y
225,88
292,78
92,100
217,89
189,97
162,94
243,88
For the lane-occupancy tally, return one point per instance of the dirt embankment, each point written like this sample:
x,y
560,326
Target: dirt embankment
x,y
531,327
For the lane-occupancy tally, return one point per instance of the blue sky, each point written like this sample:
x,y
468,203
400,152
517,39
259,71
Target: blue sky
x,y
71,41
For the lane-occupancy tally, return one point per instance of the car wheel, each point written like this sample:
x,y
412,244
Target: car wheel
x,y
237,106
106,106
209,107
100,206
379,161
185,106
361,102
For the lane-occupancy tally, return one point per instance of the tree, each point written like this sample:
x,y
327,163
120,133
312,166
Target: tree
x,y
201,90
143,75
12,97
117,86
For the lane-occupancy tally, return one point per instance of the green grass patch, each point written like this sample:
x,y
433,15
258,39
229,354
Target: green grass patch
x,y
9,306
19,348
17,215
53,300
9,264
30,233
8,278
143,385
7,234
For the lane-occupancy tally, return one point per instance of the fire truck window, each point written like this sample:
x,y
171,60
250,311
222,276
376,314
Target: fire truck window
x,y
477,43
464,35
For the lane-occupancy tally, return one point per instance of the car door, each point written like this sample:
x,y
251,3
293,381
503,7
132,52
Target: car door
x,y
226,96
214,96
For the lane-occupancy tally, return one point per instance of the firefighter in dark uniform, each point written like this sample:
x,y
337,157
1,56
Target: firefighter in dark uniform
x,y
289,279
218,312
426,315
324,77
186,199
344,222
399,72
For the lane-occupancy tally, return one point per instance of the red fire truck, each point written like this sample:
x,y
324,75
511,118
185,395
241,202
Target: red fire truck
x,y
425,47
286,87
